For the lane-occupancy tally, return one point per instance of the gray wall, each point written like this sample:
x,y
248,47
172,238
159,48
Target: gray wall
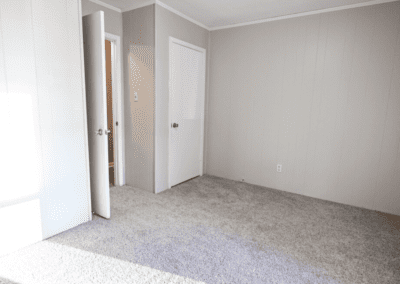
x,y
319,95
169,24
138,62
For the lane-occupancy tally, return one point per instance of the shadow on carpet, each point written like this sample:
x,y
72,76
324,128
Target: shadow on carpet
x,y
203,254
6,281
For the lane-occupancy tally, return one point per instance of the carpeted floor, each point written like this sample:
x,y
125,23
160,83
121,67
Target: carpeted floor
x,y
52,263
215,230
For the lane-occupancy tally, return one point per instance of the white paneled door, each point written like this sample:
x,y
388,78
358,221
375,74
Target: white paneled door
x,y
96,101
187,86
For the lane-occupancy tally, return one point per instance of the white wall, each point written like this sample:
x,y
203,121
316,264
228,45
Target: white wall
x,y
45,170
318,94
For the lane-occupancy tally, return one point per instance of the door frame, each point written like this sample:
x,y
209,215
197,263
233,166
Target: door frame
x,y
202,93
118,136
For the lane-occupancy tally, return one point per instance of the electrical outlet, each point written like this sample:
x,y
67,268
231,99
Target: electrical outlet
x,y
136,97
279,168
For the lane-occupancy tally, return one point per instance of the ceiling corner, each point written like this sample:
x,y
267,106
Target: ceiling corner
x,y
106,5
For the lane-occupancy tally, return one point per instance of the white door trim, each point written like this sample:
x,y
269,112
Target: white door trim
x,y
117,107
202,92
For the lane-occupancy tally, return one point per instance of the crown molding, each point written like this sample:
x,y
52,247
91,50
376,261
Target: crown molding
x,y
181,15
137,6
151,2
101,3
364,4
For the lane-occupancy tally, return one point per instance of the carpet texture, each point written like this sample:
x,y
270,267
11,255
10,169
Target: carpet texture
x,y
50,263
215,230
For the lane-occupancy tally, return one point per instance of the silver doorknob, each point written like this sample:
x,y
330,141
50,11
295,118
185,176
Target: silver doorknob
x,y
99,132
107,131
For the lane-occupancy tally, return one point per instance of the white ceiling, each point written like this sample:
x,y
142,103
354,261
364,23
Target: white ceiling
x,y
127,5
220,13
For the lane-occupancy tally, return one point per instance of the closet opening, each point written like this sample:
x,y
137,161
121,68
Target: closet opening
x,y
110,122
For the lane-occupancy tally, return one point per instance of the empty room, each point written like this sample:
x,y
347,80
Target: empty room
x,y
190,141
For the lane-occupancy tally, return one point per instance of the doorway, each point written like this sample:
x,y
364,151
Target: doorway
x,y
110,143
114,110
186,109
95,48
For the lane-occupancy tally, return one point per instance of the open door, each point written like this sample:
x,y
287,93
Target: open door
x,y
94,52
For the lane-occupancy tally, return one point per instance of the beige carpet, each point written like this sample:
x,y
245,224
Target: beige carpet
x,y
50,263
220,231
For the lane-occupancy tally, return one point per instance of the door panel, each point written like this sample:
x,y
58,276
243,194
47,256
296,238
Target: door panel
x,y
94,51
187,112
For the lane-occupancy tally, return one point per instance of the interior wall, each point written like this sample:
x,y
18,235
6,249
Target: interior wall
x,y
169,24
112,25
45,178
318,94
138,62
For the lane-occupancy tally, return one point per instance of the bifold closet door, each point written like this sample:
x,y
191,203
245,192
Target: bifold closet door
x,y
45,178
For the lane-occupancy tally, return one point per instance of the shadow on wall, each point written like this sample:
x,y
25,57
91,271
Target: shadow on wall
x,y
141,97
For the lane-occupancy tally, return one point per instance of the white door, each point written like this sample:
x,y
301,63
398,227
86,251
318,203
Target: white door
x,y
187,86
96,101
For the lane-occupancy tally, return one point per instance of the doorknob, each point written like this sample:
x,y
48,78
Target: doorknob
x,y
99,132
107,131
175,125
